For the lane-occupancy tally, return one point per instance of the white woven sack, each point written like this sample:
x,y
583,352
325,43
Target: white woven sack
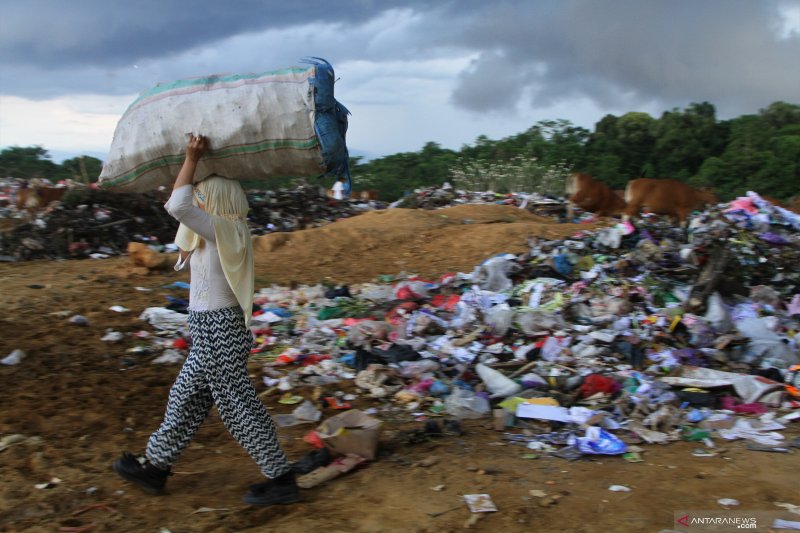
x,y
259,126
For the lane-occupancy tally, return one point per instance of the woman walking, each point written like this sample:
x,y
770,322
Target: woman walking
x,y
214,239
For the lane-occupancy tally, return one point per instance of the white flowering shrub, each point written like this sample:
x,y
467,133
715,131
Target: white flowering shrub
x,y
519,174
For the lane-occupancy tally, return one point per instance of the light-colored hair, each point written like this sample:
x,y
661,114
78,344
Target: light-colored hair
x,y
223,197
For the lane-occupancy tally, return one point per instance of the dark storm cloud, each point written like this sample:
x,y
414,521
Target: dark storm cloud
x,y
107,33
615,51
618,53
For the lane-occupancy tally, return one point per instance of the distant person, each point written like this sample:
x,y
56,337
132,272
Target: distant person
x,y
338,189
214,239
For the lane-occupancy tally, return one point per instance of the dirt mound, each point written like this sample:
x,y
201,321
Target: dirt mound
x,y
428,243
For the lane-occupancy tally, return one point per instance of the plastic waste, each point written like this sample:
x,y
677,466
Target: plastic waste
x,y
562,264
793,308
169,357
611,237
492,274
598,383
409,369
619,488
498,318
14,358
598,441
702,335
176,285
464,316
697,415
551,349
764,342
79,320
438,388
537,320
498,384
463,403
413,289
164,319
696,435
307,412
112,336
531,380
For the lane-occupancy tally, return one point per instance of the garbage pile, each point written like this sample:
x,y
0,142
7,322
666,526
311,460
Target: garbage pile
x,y
446,196
595,344
303,207
90,222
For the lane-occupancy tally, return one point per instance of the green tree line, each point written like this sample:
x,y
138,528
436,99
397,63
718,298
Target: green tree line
x,y
28,162
759,152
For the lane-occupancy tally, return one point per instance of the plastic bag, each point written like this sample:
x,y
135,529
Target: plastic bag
x,y
595,383
362,333
464,316
413,289
498,318
794,306
498,384
306,411
466,404
598,441
537,320
553,347
611,237
164,319
492,274
414,369
764,342
717,314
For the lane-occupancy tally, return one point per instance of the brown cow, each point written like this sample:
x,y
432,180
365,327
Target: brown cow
x,y
592,195
366,195
38,197
665,197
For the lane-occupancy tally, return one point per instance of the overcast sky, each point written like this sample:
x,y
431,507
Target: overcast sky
x,y
410,72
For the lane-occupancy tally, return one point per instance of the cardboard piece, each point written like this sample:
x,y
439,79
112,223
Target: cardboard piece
x,y
352,431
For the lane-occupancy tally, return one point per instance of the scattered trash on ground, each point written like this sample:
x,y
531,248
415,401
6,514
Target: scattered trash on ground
x,y
592,347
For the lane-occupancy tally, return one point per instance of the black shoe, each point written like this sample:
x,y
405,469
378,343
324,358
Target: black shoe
x,y
279,491
150,478
312,460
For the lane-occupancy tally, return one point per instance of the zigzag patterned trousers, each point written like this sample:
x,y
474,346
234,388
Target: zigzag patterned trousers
x,y
216,373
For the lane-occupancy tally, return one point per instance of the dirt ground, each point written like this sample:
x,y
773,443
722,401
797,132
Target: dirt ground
x,y
87,401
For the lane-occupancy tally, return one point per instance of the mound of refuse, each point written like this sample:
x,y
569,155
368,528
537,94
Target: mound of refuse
x,y
97,223
447,196
581,345
89,223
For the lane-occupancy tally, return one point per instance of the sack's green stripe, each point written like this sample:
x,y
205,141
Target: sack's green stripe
x,y
182,84
216,154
